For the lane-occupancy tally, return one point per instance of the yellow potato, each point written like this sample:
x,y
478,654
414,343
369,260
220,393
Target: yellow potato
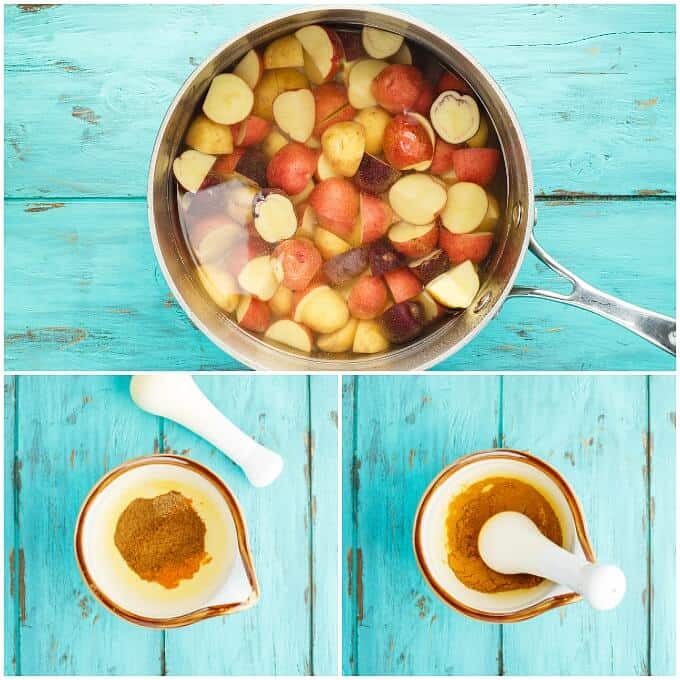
x,y
341,340
323,310
481,137
328,244
273,142
283,52
289,333
343,146
209,137
369,338
375,120
271,85
220,285
493,214
282,302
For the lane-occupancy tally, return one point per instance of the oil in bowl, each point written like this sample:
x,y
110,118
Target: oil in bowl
x,y
158,541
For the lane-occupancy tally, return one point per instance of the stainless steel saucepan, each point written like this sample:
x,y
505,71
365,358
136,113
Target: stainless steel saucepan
x,y
514,236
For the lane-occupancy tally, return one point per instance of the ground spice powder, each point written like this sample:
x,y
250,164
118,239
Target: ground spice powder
x,y
162,539
468,512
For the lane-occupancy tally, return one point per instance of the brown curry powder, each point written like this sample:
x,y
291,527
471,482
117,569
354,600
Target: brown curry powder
x,y
468,512
162,539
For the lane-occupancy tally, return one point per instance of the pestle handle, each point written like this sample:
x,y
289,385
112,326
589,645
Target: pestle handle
x,y
177,397
511,543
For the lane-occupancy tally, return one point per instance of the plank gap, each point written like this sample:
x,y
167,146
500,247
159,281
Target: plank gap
x,y
17,533
310,523
648,491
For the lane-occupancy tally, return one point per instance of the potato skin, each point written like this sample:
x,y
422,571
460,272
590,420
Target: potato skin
x,y
346,266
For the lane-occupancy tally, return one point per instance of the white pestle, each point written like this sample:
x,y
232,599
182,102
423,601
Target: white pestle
x,y
177,397
511,543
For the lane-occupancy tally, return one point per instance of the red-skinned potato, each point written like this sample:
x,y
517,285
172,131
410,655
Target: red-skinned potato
x,y
425,98
367,298
397,87
375,217
475,165
403,284
460,247
331,106
336,203
253,314
227,163
414,240
252,130
442,161
407,143
292,167
452,81
296,263
374,175
323,52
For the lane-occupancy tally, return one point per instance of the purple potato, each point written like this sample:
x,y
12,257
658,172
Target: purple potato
x,y
352,45
403,321
384,258
253,165
375,176
431,266
346,266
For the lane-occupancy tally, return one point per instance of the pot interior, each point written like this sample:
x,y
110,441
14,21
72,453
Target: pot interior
x,y
457,329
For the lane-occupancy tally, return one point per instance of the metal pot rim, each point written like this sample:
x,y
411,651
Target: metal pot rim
x,y
362,363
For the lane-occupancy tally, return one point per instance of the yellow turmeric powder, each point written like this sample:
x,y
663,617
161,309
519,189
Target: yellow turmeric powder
x,y
469,510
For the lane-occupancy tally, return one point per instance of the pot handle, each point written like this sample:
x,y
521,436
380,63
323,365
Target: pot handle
x,y
656,328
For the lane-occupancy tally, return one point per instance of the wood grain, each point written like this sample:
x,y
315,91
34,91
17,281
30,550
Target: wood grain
x,y
593,87
92,297
71,429
595,429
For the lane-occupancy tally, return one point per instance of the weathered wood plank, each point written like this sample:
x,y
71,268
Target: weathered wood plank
x,y
593,87
274,637
323,409
407,429
92,297
349,593
72,429
13,559
663,456
108,303
593,429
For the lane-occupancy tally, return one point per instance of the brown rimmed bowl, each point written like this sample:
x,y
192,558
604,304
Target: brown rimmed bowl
x,y
240,589
429,535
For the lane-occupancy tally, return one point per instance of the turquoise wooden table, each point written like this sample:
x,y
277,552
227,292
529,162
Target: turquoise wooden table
x,y
612,437
86,88
62,433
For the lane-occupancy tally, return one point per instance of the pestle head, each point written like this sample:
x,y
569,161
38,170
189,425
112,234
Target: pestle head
x,y
506,540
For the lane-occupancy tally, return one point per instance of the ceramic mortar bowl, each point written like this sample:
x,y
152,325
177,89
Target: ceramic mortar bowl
x,y
224,585
429,535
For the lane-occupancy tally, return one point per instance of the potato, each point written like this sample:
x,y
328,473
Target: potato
x,y
374,175
397,87
375,120
346,266
328,244
339,341
283,52
465,209
417,198
343,146
209,137
282,302
287,332
271,85
322,309
369,338
403,321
